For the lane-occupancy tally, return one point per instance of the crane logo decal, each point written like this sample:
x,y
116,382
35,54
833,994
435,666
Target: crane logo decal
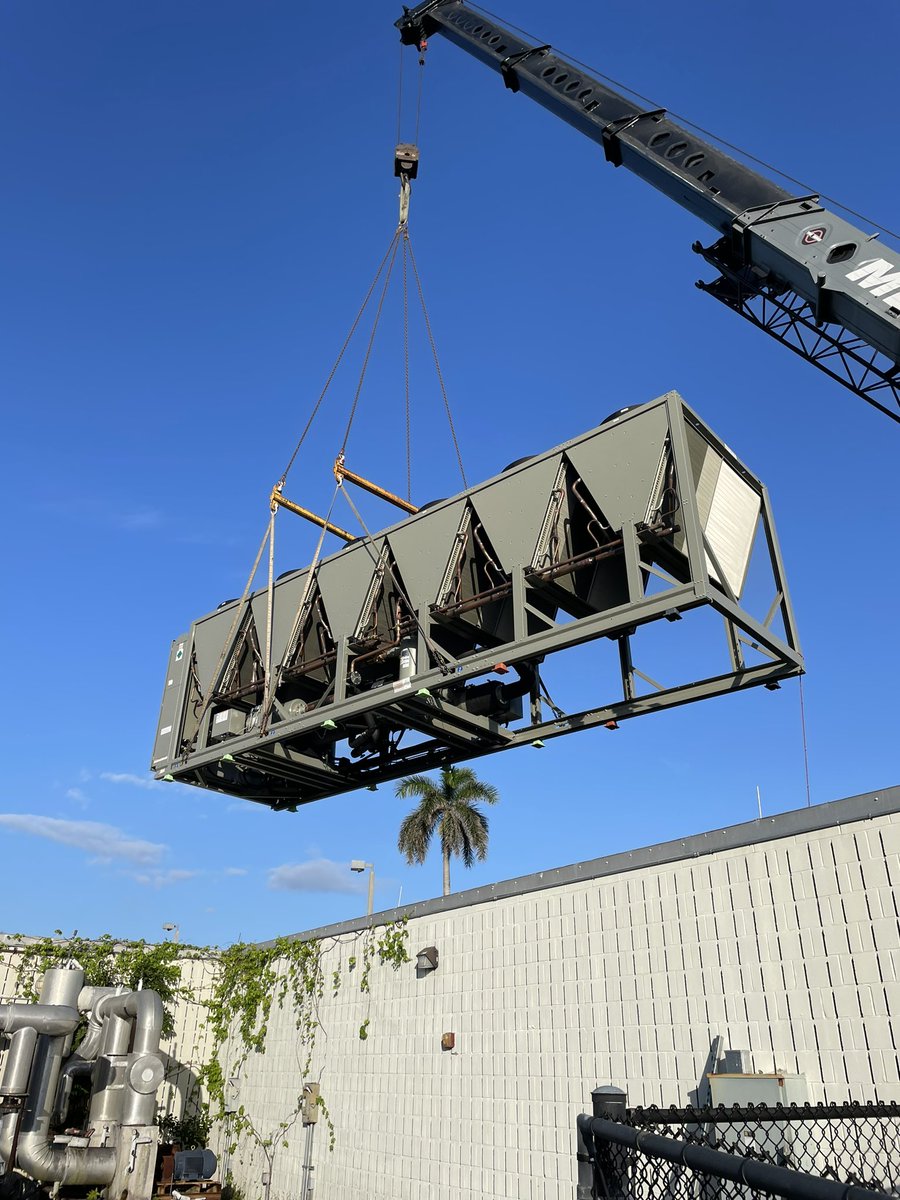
x,y
813,236
878,276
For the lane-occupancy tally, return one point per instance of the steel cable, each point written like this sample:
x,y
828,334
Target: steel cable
x,y
395,242
339,358
437,364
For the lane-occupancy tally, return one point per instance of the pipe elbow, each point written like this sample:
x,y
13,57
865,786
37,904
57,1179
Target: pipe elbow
x,y
52,1019
145,1008
65,1164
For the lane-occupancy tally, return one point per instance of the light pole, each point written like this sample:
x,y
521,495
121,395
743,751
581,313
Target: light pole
x,y
173,929
359,866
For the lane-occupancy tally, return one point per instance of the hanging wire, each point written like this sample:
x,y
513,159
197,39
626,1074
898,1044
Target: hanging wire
x,y
805,748
337,362
760,162
434,354
227,645
387,279
443,660
400,93
406,371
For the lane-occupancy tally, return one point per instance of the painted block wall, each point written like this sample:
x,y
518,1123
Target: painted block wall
x,y
788,948
781,936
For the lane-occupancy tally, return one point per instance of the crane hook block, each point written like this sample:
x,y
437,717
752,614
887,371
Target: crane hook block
x,y
406,161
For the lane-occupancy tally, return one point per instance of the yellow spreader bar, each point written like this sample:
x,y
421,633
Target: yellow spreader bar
x,y
341,473
280,501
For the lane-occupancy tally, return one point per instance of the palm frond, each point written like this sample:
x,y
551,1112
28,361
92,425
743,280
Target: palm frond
x,y
448,808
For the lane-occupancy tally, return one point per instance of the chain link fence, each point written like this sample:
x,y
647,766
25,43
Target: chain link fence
x,y
808,1152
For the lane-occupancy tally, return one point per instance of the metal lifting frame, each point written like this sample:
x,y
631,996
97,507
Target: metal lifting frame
x,y
409,649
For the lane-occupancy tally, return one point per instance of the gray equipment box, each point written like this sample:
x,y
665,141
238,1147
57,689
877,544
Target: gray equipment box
x,y
428,643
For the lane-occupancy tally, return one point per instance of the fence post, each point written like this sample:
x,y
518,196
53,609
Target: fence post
x,y
605,1102
584,1189
611,1102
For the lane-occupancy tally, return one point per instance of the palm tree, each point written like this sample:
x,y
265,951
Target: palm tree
x,y
447,808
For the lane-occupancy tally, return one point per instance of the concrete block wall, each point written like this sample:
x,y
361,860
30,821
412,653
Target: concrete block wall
x,y
782,936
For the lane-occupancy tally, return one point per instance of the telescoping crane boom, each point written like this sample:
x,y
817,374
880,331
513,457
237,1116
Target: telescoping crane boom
x,y
806,276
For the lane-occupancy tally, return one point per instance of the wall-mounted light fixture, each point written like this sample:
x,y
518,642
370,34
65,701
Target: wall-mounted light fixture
x,y
426,960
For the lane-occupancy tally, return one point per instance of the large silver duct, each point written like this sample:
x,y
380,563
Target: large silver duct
x,y
120,1051
36,1153
16,1076
20,1056
52,1019
144,1070
82,1062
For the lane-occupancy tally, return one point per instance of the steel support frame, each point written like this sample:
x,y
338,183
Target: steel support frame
x,y
450,733
791,320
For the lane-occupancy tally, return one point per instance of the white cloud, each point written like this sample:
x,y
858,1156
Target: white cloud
x,y
160,879
78,796
142,781
235,870
316,875
104,842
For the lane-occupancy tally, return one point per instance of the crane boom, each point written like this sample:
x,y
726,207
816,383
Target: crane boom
x,y
802,273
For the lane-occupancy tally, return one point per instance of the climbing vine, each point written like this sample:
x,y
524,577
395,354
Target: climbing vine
x,y
248,981
106,961
285,973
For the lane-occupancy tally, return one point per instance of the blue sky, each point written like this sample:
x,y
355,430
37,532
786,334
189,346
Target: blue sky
x,y
195,200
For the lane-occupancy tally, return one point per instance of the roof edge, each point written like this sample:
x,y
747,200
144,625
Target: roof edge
x,y
853,809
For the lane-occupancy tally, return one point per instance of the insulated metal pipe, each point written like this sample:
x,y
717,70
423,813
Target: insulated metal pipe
x,y
81,1063
144,1072
52,1019
16,1073
36,1154
109,1081
19,1058
147,1012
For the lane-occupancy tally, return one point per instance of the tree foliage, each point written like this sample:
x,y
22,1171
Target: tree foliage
x,y
448,808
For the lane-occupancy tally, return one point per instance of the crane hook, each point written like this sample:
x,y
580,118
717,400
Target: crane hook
x,y
406,167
